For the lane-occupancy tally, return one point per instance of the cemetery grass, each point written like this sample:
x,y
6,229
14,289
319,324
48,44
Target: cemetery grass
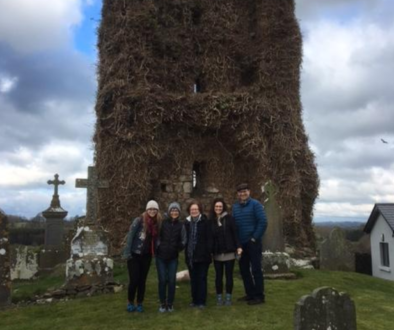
x,y
374,299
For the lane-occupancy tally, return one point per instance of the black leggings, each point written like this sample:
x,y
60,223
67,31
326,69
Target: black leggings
x,y
138,267
229,269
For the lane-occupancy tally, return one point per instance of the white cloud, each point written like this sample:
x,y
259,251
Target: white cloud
x,y
347,66
27,168
24,174
347,93
38,25
28,203
7,84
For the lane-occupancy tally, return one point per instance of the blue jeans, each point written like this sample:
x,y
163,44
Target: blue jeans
x,y
166,272
250,266
198,282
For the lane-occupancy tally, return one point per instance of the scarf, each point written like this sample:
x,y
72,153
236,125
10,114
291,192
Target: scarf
x,y
220,217
191,244
152,230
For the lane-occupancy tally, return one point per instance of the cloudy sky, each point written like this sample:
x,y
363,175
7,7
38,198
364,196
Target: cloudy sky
x,y
48,84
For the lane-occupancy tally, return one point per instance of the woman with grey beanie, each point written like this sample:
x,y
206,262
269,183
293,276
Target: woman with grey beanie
x,y
171,240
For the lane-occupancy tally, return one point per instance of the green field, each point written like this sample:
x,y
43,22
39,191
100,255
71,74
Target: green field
x,y
374,301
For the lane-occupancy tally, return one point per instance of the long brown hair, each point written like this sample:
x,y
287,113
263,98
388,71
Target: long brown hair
x,y
157,220
212,214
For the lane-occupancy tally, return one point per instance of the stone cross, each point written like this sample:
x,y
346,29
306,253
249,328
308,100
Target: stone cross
x,y
92,183
273,239
5,267
336,252
55,199
325,309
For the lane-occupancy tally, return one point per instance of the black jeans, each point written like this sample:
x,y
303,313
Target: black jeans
x,y
251,269
138,267
198,282
228,266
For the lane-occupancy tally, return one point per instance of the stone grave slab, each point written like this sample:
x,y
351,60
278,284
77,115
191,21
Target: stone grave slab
x,y
325,309
24,262
276,265
90,264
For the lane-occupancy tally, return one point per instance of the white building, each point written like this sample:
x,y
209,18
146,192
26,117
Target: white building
x,y
380,226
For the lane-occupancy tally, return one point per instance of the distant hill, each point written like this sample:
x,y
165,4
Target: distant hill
x,y
340,224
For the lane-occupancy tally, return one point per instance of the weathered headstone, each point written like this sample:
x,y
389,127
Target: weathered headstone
x,y
336,252
273,238
90,264
54,251
24,262
325,309
5,277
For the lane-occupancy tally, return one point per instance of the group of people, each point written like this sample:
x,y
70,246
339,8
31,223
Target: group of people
x,y
220,237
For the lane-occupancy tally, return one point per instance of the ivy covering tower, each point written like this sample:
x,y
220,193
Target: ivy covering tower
x,y
196,96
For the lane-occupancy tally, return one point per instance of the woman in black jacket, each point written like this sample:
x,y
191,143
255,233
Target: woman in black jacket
x,y
198,252
172,240
226,246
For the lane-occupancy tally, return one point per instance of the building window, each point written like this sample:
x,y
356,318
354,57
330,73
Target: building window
x,y
197,174
384,254
197,86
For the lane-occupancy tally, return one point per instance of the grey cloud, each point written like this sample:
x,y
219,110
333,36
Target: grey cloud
x,y
313,9
53,99
47,76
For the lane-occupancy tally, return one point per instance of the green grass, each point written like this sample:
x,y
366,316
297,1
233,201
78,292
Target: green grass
x,y
374,300
23,290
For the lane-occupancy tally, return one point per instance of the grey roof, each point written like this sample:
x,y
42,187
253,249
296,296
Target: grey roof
x,y
387,212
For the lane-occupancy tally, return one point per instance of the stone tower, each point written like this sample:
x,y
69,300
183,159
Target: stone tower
x,y
196,96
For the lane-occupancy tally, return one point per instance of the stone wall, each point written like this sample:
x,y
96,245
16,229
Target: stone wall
x,y
184,189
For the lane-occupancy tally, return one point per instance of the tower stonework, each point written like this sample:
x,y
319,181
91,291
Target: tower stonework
x,y
196,96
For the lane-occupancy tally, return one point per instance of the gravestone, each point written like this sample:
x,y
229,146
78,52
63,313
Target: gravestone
x,y
325,309
24,262
5,276
54,252
90,264
336,252
273,239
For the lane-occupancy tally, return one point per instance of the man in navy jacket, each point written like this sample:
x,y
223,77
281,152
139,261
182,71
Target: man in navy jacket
x,y
251,223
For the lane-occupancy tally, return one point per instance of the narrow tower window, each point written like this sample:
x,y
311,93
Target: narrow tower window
x,y
197,178
197,86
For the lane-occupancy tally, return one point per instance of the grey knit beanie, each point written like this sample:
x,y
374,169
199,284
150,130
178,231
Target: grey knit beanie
x,y
174,205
